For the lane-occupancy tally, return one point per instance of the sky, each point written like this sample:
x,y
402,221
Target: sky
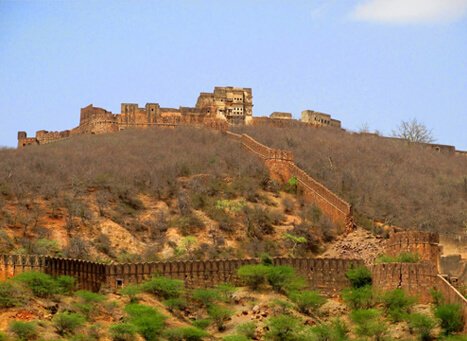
x,y
368,63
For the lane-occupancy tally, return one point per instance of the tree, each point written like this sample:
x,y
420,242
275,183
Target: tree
x,y
414,131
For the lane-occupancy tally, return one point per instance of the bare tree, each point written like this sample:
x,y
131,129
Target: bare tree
x,y
414,131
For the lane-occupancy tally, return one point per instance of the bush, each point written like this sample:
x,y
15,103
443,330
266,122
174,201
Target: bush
x,y
206,296
88,302
25,331
12,294
131,291
369,323
123,332
41,284
397,304
358,298
225,290
437,297
307,301
149,322
202,323
283,278
185,333
248,329
404,257
451,317
235,338
2,337
283,328
66,284
178,303
422,325
359,276
253,275
337,330
219,315
164,287
67,323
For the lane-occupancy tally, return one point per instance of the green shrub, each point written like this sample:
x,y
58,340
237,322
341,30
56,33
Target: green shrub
x,y
283,278
337,330
66,284
25,331
403,257
437,297
358,298
206,296
201,323
185,333
149,322
164,287
178,303
12,294
307,301
235,338
282,306
219,315
225,290
451,317
131,290
66,322
369,323
88,302
283,328
422,325
41,284
3,337
123,332
248,329
397,304
253,275
359,276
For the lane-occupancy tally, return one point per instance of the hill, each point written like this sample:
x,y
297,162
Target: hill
x,y
397,183
150,194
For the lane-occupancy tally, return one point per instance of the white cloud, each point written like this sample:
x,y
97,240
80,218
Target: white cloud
x,y
410,11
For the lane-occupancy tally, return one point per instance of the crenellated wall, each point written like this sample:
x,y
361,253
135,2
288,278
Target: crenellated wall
x,y
326,275
282,167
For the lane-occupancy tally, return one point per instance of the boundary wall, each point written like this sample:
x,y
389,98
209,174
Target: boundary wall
x,y
282,167
326,275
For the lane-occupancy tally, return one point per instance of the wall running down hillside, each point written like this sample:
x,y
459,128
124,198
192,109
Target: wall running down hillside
x,y
282,167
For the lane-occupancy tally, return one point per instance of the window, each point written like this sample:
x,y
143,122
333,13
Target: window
x,y
119,283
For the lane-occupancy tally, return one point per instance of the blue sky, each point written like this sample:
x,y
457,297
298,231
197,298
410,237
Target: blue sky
x,y
371,61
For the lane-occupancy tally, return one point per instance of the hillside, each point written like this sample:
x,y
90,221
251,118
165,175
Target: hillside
x,y
148,195
399,184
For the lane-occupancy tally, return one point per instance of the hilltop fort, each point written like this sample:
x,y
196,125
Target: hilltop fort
x,y
225,105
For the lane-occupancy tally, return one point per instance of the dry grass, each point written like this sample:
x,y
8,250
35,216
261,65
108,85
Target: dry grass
x,y
406,185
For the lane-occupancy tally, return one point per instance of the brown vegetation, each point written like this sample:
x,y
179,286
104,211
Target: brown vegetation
x,y
399,183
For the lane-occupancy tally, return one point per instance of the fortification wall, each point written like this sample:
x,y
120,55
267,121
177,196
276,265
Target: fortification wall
x,y
416,279
426,244
326,275
281,166
452,296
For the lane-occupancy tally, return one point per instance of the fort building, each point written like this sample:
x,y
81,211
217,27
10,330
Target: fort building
x,y
281,115
319,119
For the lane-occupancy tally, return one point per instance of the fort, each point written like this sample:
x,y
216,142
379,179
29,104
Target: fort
x,y
225,105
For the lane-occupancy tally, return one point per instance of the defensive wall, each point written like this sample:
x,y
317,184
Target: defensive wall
x,y
282,168
325,275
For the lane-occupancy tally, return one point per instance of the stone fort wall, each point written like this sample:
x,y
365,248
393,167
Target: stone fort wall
x,y
325,275
282,167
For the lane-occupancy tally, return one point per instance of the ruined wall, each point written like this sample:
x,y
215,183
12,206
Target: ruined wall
x,y
11,265
426,244
416,279
452,296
